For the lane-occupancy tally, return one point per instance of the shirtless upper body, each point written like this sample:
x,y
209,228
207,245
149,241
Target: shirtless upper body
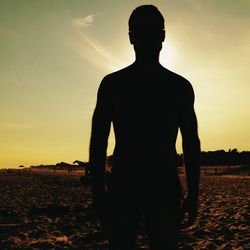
x,y
147,104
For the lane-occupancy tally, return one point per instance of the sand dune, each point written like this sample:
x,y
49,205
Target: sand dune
x,y
46,211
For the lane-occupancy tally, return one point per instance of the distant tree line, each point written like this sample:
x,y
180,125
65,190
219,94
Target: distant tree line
x,y
214,158
210,158
222,158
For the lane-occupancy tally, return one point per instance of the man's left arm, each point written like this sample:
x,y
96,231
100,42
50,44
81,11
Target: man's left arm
x,y
101,123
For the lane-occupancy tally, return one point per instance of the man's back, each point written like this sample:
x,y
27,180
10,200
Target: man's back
x,y
146,106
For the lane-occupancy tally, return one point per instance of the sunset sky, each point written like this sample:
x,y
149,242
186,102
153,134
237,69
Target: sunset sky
x,y
54,53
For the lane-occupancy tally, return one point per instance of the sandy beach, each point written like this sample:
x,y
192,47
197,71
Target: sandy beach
x,y
42,210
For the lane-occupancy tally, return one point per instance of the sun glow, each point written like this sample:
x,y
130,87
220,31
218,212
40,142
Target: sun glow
x,y
168,56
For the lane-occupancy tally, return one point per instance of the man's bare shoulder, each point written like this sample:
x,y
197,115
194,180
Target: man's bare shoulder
x,y
119,74
185,88
176,78
115,80
130,73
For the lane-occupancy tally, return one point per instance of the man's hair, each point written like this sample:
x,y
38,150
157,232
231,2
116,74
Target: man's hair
x,y
145,15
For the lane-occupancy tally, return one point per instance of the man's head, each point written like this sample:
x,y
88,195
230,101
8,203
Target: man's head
x,y
146,29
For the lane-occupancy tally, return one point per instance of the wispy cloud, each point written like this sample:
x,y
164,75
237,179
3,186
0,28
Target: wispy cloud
x,y
83,21
89,49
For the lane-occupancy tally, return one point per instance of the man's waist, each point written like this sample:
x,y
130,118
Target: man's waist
x,y
158,184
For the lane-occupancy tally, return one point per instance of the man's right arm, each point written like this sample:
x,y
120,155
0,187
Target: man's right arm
x,y
191,151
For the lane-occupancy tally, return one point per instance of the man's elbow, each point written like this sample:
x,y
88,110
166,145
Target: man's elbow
x,y
191,142
197,142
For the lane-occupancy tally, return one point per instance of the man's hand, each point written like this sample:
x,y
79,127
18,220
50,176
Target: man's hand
x,y
190,207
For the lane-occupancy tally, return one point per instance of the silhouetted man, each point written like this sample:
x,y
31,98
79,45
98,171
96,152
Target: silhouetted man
x,y
146,104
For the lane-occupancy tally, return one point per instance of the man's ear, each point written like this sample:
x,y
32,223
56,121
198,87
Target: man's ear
x,y
131,37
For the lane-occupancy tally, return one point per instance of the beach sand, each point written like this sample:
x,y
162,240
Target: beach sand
x,y
42,210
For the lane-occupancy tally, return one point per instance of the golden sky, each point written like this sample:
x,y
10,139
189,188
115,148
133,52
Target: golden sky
x,y
55,53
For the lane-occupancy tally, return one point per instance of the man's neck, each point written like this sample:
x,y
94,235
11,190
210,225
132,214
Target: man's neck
x,y
147,61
